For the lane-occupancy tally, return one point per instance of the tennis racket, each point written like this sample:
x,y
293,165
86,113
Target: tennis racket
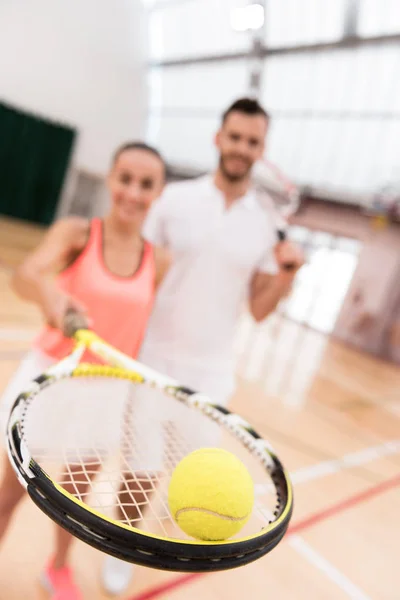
x,y
278,196
79,432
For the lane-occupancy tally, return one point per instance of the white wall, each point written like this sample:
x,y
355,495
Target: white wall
x,y
81,62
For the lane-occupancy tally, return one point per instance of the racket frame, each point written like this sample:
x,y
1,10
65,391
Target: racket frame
x,y
127,542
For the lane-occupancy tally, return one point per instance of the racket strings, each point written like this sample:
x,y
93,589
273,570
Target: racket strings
x,y
114,444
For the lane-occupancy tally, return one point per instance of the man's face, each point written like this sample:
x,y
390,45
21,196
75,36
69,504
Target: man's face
x,y
241,142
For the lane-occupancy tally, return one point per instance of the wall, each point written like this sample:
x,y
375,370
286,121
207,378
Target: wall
x,y
81,62
334,218
370,315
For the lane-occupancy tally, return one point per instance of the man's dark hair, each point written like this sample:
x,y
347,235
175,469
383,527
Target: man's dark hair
x,y
138,146
247,106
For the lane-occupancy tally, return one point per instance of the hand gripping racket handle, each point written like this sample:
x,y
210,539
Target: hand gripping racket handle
x,y
73,322
290,266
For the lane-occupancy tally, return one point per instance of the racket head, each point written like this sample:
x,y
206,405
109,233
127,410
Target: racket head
x,y
69,399
276,192
278,196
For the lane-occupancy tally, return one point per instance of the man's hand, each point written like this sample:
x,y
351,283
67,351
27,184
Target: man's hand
x,y
266,290
289,256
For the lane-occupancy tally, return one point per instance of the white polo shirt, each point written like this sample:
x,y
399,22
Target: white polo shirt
x,y
215,253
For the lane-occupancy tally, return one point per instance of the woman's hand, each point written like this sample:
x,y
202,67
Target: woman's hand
x,y
55,307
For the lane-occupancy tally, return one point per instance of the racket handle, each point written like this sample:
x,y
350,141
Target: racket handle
x,y
290,266
73,322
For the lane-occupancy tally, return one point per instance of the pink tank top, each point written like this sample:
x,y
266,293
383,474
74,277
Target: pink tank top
x,y
118,306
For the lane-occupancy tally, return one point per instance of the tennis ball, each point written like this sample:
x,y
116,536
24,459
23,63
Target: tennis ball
x,y
211,494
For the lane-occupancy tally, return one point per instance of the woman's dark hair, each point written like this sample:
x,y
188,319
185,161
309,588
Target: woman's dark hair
x,y
138,146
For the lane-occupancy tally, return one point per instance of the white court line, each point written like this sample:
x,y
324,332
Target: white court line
x,y
323,565
394,409
319,562
354,385
348,461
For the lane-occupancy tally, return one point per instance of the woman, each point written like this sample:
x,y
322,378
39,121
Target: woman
x,y
104,269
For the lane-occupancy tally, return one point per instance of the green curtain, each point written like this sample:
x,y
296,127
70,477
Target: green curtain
x,y
34,157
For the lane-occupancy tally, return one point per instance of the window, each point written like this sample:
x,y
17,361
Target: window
x,y
377,17
291,22
187,103
195,27
336,122
321,285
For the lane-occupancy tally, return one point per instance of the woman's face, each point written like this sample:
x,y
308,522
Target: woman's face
x,y
136,179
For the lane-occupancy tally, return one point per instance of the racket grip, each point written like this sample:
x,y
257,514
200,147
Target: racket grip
x,y
290,266
73,322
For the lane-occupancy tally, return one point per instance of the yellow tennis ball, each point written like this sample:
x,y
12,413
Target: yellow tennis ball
x,y
211,494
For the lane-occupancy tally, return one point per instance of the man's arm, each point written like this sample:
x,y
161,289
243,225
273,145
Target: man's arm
x,y
267,290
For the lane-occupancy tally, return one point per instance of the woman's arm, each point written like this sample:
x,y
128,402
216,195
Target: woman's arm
x,y
34,279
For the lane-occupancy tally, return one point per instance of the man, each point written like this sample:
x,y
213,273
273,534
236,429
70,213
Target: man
x,y
224,249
